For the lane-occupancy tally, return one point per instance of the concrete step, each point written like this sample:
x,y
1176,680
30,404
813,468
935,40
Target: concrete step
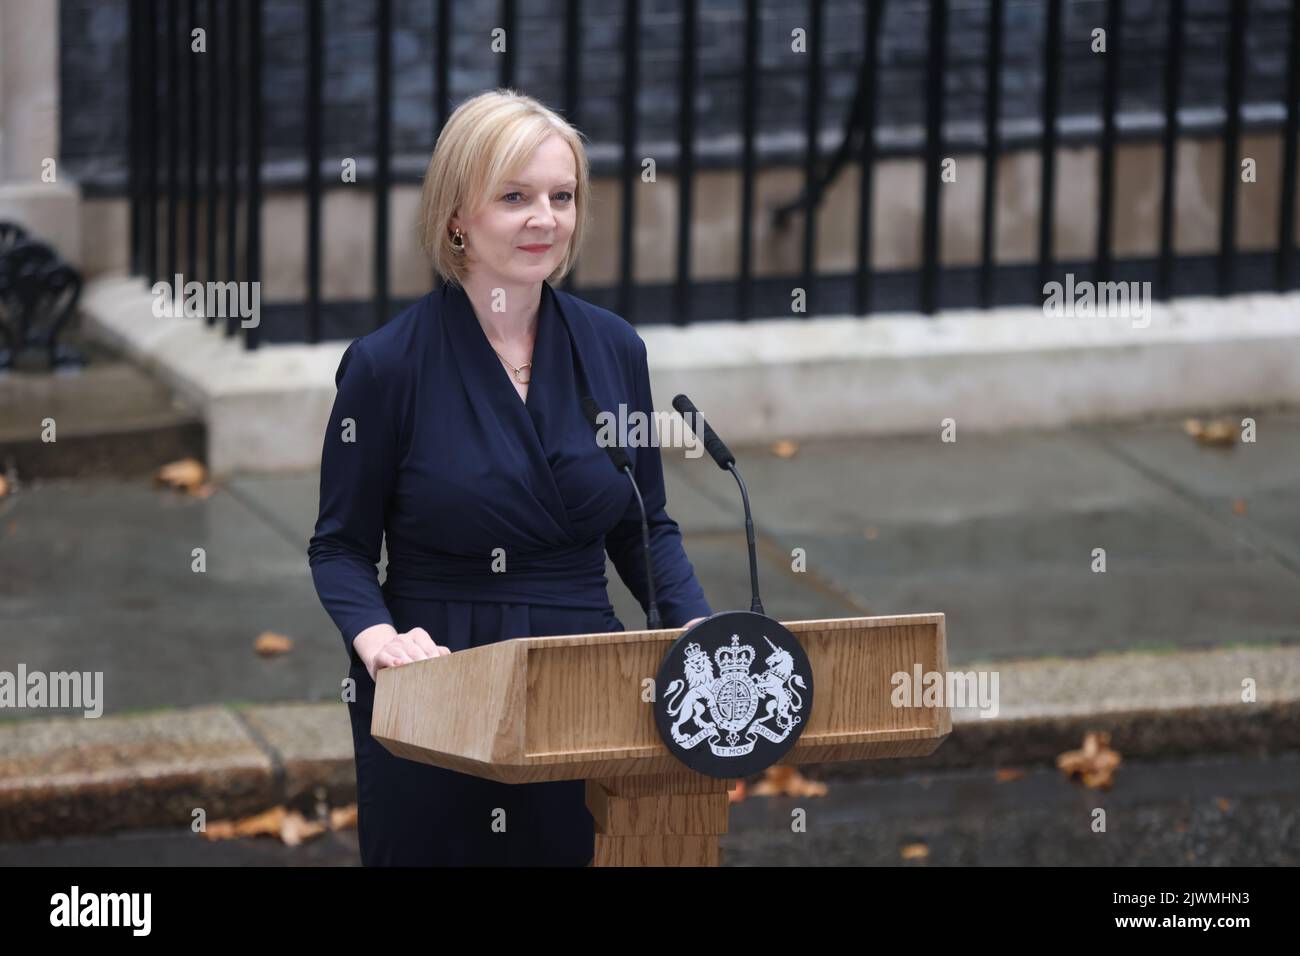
x,y
110,419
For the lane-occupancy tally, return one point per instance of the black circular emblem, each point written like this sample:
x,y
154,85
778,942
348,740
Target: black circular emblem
x,y
733,694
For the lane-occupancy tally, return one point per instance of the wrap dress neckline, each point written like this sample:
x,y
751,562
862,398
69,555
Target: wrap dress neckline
x,y
558,380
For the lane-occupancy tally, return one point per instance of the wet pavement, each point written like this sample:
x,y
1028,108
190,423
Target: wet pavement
x,y
998,531
1233,811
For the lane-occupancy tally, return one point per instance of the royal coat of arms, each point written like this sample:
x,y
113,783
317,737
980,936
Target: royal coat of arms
x,y
725,709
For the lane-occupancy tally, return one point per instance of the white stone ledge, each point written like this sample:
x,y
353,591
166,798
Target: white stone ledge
x,y
1005,368
266,410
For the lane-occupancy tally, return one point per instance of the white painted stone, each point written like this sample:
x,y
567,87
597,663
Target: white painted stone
x,y
267,409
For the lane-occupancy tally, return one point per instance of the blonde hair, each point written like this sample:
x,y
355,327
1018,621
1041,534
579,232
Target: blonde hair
x,y
488,139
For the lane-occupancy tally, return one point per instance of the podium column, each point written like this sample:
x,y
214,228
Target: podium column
x,y
668,819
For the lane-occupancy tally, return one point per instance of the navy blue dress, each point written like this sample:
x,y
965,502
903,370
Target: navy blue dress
x,y
430,445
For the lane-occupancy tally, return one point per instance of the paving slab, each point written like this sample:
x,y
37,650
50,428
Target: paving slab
x,y
999,532
98,576
1249,487
77,775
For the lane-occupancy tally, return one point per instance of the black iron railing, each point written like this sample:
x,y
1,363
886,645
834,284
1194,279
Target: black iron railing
x,y
221,133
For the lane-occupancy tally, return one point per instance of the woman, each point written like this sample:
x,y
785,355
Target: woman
x,y
457,432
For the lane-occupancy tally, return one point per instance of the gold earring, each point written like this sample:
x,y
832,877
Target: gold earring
x,y
458,241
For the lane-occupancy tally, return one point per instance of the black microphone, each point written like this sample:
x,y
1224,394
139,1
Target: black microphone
x,y
721,454
622,463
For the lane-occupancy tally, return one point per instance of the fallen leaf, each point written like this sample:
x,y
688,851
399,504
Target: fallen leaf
x,y
787,781
914,851
289,826
1094,765
784,449
1007,774
343,818
1217,431
187,474
269,643
266,822
1239,507
297,828
219,830
1221,431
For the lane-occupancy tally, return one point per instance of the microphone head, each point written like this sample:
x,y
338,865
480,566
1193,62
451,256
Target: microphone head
x,y
718,451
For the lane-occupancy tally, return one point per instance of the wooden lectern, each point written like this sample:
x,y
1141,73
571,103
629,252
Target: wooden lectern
x,y
576,707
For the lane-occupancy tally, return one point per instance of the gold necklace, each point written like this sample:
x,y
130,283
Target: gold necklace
x,y
516,371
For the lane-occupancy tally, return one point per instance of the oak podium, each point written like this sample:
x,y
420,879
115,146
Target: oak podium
x,y
581,707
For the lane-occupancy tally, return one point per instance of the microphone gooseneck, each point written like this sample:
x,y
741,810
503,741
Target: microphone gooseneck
x,y
622,463
721,454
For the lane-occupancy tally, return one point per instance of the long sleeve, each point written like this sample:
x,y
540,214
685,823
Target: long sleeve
x,y
358,463
677,591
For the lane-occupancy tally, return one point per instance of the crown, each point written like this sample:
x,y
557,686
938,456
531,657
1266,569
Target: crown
x,y
694,651
736,658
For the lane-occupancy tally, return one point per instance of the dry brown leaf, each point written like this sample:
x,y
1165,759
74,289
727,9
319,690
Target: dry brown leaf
x,y
297,828
787,781
220,830
269,643
1239,507
187,474
784,449
914,851
1007,774
343,818
1094,765
1217,431
268,821
289,826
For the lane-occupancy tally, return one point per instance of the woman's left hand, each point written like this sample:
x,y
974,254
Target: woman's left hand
x,y
692,622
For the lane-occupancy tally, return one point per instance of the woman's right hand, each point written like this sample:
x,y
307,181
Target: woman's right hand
x,y
381,646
